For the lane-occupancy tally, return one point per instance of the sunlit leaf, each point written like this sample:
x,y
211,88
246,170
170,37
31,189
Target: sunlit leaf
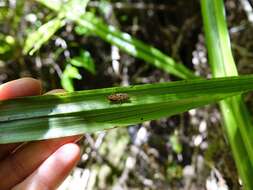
x,y
237,121
7,47
84,60
175,143
50,116
37,38
80,30
53,4
67,77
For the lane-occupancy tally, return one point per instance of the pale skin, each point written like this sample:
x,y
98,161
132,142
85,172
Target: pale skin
x,y
41,165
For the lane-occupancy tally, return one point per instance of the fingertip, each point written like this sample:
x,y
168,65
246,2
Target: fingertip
x,y
63,161
71,150
19,88
52,172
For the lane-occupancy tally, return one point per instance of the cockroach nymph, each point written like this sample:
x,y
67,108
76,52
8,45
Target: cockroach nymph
x,y
118,98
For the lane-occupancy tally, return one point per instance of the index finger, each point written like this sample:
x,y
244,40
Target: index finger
x,y
19,88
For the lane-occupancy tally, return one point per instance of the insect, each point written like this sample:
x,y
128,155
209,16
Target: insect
x,y
118,98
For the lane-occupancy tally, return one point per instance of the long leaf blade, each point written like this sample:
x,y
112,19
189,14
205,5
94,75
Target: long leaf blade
x,y
237,120
50,116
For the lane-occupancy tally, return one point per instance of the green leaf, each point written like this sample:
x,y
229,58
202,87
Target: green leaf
x,y
3,13
84,60
80,30
70,8
37,38
58,115
237,120
55,5
175,143
7,47
73,9
67,77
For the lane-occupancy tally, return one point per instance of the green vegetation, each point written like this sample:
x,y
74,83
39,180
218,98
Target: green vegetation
x,y
91,111
58,41
237,121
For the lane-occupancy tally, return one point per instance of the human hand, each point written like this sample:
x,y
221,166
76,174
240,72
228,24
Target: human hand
x,y
35,165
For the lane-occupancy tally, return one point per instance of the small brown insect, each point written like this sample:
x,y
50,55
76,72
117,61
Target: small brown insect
x,y
118,98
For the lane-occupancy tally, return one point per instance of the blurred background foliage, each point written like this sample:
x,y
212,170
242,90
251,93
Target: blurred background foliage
x,y
187,151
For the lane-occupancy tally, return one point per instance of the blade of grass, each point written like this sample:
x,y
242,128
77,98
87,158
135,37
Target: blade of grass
x,y
50,116
126,43
237,121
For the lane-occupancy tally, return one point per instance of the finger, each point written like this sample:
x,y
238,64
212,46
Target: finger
x,y
19,88
46,178
26,159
